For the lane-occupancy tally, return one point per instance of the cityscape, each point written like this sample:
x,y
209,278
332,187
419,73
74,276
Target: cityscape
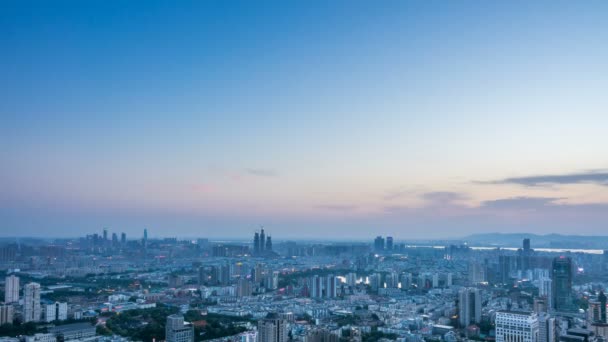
x,y
303,171
103,288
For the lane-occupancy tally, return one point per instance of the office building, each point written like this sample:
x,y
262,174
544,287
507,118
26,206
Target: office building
x,y
256,243
272,329
561,290
11,289
31,303
469,306
176,330
516,327
389,243
379,244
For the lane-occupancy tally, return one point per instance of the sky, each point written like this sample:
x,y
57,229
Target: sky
x,y
315,119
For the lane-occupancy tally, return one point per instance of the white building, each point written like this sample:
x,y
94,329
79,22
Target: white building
x,y
517,327
56,311
31,303
11,289
177,330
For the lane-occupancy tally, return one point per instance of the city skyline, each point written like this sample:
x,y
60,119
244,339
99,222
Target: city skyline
x,y
335,120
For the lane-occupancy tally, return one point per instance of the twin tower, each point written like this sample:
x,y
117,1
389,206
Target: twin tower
x,y
262,244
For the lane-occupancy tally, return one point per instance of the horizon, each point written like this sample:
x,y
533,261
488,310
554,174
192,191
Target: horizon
x,y
419,120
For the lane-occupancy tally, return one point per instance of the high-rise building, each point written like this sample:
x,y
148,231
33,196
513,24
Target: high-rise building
x,y
31,303
176,330
6,314
561,291
526,245
379,244
145,241
123,239
389,243
11,289
272,329
268,243
256,243
516,326
105,235
477,273
602,299
262,240
469,306
546,328
316,287
243,287
114,239
56,312
331,286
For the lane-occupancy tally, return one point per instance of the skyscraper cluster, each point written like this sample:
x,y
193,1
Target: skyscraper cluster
x,y
262,244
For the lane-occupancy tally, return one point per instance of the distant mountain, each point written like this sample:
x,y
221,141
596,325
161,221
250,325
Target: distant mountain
x,y
538,241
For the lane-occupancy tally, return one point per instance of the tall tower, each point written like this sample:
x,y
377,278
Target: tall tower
x,y
379,244
262,241
469,306
145,238
269,243
561,274
105,235
272,329
11,290
123,239
602,299
31,305
389,243
256,243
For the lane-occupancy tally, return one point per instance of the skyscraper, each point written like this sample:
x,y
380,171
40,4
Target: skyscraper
x,y
11,290
262,240
268,243
389,243
331,286
561,274
176,330
105,235
272,329
256,243
379,244
31,303
602,299
469,306
123,239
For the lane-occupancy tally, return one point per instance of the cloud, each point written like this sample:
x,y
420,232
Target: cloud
x,y
520,203
443,197
262,172
593,177
336,207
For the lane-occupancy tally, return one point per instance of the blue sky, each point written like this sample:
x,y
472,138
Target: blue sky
x,y
208,118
